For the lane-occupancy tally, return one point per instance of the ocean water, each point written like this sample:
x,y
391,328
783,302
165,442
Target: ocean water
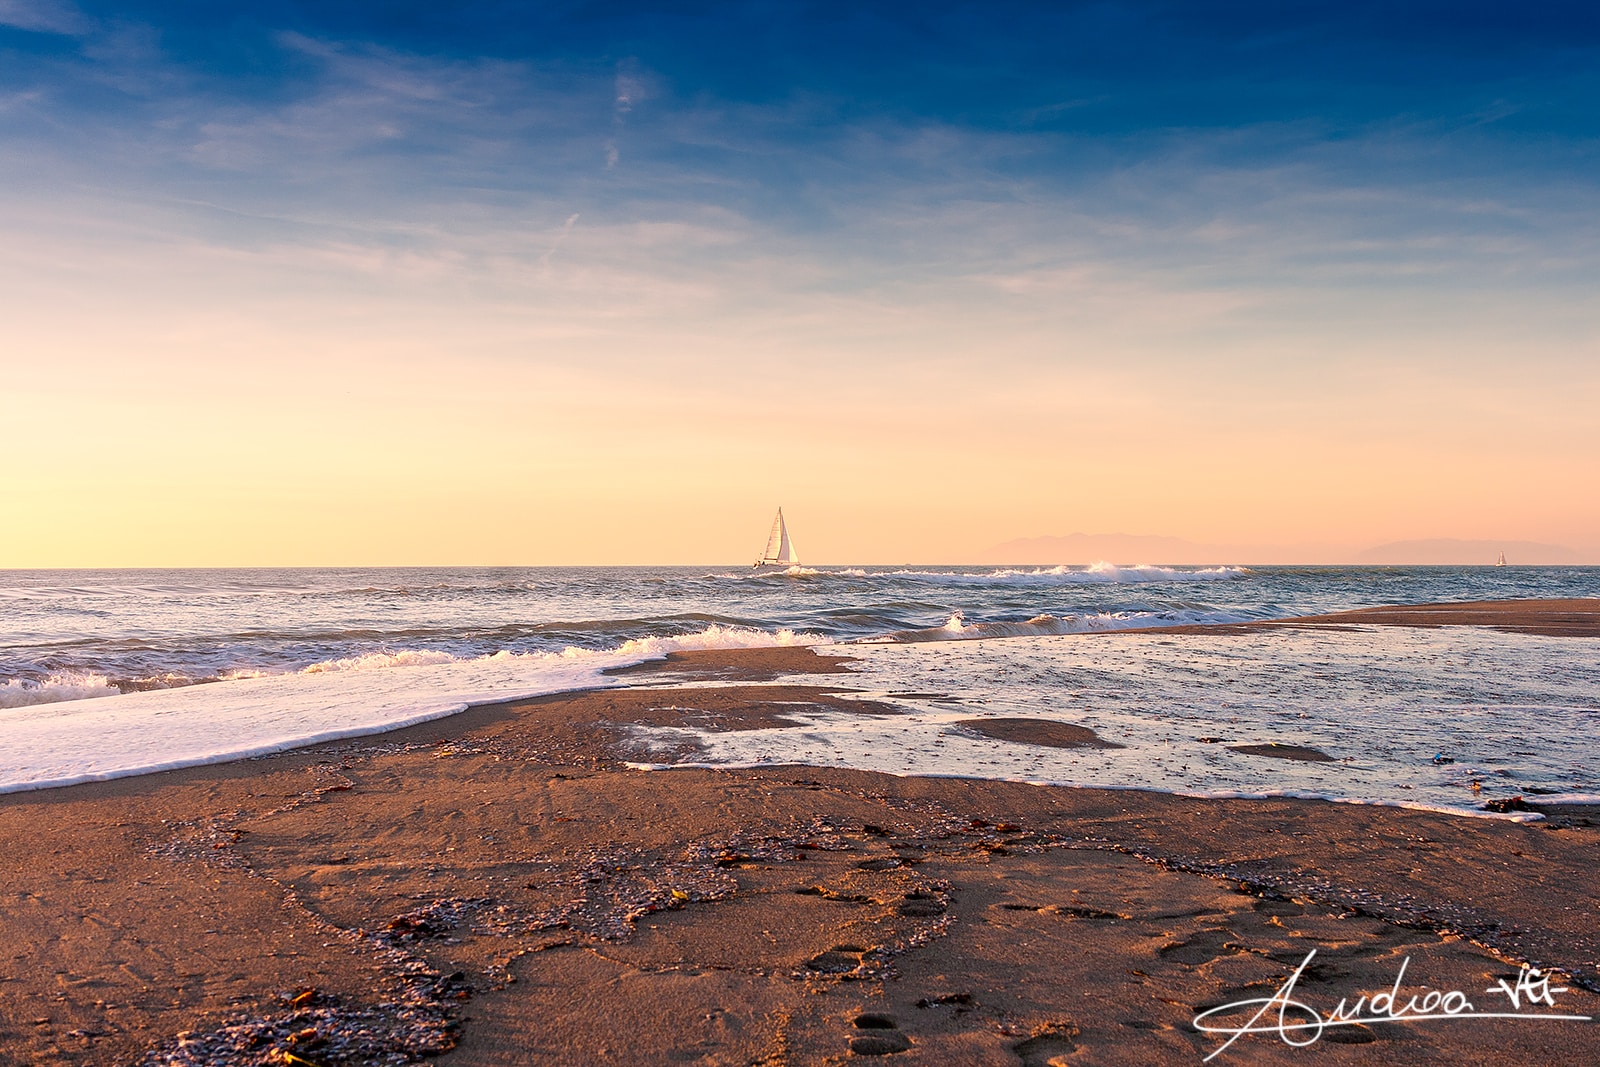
x,y
106,673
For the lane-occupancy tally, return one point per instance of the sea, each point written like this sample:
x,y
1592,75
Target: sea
x,y
112,673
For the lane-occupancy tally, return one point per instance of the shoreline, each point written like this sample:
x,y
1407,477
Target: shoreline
x,y
1569,617
496,887
1549,617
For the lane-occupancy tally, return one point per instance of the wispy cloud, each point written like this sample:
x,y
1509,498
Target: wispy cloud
x,y
44,16
374,158
561,236
632,88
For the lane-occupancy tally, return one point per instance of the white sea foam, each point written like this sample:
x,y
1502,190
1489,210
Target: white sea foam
x,y
1513,713
1111,573
68,685
714,636
957,628
1101,573
372,661
53,744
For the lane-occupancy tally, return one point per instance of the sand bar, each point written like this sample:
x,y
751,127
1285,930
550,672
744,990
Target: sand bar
x,y
1579,617
1030,731
1276,750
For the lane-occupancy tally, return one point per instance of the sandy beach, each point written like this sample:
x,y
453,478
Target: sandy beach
x,y
499,887
779,534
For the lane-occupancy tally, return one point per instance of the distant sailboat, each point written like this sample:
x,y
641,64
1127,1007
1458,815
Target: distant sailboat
x,y
1501,562
780,550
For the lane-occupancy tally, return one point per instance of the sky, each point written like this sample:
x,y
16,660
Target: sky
x,y
406,283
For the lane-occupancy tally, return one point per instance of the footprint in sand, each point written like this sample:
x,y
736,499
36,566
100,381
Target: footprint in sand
x,y
921,905
1048,1046
1354,1034
840,959
877,1035
1204,947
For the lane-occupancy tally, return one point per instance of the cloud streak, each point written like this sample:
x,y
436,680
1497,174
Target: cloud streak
x,y
43,16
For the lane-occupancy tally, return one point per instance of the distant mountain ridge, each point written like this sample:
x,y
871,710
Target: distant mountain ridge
x,y
1081,548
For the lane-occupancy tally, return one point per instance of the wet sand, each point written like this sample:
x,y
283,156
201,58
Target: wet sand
x,y
1275,750
1549,618
499,888
1028,731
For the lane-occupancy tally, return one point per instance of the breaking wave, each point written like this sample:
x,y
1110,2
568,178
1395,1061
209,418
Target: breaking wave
x,y
639,648
718,636
80,685
1101,573
70,685
139,733
957,628
1112,574
370,661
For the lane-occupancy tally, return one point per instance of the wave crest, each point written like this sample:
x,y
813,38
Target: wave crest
x,y
69,685
370,661
1098,573
654,647
1101,572
716,636
956,628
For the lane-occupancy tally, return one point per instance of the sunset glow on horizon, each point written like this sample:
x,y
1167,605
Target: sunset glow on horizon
x,y
410,286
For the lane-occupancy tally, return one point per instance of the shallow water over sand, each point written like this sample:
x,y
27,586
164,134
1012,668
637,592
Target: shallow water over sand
x,y
1407,716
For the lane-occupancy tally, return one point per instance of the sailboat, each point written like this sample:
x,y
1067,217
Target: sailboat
x,y
780,550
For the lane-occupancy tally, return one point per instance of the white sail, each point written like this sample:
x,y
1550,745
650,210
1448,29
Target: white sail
x,y
779,548
786,552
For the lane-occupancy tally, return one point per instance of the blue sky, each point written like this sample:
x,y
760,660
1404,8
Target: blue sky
x,y
1322,220
795,115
